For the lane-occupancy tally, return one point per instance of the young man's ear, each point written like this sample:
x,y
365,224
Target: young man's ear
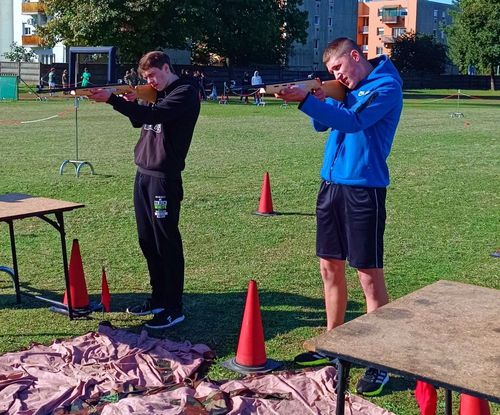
x,y
166,68
355,55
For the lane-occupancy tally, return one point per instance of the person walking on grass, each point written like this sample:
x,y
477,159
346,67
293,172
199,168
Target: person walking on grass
x,y
350,209
166,134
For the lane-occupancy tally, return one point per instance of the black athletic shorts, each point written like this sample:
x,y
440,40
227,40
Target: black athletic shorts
x,y
350,224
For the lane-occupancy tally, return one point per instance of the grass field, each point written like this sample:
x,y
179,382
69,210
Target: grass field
x,y
443,218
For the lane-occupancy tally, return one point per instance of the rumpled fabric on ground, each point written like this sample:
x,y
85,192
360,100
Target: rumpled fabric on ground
x,y
43,378
115,372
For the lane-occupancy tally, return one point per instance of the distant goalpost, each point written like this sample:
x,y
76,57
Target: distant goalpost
x,y
75,51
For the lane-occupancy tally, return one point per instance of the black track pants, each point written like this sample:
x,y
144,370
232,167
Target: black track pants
x,y
160,239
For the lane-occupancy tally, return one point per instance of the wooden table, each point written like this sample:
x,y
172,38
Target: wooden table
x,y
446,334
15,206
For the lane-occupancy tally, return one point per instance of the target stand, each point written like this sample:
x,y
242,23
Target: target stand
x,y
77,164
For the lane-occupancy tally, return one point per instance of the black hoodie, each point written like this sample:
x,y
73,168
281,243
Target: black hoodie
x,y
167,128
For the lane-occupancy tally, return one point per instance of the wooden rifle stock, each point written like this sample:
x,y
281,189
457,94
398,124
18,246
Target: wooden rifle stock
x,y
145,92
333,89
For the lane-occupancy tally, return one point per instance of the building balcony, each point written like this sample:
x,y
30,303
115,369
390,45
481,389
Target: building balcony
x,y
392,19
364,48
31,40
33,7
386,40
363,30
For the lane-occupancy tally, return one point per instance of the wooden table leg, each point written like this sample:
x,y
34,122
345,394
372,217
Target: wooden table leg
x,y
343,368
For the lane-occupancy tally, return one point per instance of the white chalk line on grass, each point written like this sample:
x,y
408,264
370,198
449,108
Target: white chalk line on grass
x,y
41,119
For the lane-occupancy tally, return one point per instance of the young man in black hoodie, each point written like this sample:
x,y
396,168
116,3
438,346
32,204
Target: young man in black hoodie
x,y
166,132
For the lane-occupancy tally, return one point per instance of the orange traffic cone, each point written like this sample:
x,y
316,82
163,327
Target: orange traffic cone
x,y
105,295
266,200
251,353
77,285
470,405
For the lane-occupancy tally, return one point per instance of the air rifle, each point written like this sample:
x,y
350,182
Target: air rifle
x,y
331,88
145,92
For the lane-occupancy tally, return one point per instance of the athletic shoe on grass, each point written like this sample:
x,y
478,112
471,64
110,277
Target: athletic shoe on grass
x,y
372,382
164,319
314,359
144,309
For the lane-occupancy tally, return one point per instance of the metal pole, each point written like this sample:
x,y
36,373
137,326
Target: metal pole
x,y
76,126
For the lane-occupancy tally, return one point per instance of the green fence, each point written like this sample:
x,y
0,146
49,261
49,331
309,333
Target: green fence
x,y
8,87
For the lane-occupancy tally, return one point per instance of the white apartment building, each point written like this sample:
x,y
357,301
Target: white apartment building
x,y
18,20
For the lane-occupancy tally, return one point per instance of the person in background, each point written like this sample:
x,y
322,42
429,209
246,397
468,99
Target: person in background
x,y
245,82
257,80
133,78
350,209
86,78
52,80
64,81
166,132
126,78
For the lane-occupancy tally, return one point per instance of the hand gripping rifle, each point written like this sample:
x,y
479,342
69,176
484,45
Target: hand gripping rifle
x,y
332,88
145,92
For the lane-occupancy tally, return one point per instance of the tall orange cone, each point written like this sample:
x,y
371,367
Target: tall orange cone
x,y
77,285
470,405
251,353
266,200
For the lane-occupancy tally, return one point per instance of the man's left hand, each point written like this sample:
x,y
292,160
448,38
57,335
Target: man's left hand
x,y
292,93
100,95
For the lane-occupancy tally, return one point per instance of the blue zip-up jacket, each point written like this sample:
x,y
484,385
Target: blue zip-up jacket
x,y
362,127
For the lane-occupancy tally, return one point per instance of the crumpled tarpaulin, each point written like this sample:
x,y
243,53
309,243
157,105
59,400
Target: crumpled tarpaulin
x,y
115,372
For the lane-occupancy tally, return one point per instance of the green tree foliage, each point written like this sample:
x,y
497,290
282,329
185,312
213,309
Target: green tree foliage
x,y
415,52
18,53
242,31
474,35
249,31
134,26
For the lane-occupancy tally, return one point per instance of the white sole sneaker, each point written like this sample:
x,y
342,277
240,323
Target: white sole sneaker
x,y
168,323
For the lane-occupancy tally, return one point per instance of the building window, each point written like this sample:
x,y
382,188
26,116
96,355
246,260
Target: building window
x,y
316,20
26,30
330,21
435,13
379,50
398,31
380,31
443,15
316,43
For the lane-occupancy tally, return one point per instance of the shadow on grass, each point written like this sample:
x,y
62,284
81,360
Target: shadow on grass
x,y
211,318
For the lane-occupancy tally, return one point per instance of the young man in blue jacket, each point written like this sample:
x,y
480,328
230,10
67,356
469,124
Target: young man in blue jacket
x,y
350,210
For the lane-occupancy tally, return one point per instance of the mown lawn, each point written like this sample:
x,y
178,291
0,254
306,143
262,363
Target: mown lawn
x,y
443,220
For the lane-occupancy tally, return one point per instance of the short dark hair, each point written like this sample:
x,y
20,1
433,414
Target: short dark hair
x,y
154,59
340,46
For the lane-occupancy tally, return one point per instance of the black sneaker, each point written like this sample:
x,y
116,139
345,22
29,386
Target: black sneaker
x,y
164,319
144,309
372,382
314,359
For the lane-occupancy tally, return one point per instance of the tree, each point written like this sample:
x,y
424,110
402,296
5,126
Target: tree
x,y
416,52
249,31
19,53
474,36
134,26
242,31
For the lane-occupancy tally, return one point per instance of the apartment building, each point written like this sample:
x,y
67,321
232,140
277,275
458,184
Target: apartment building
x,y
380,22
328,19
18,21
